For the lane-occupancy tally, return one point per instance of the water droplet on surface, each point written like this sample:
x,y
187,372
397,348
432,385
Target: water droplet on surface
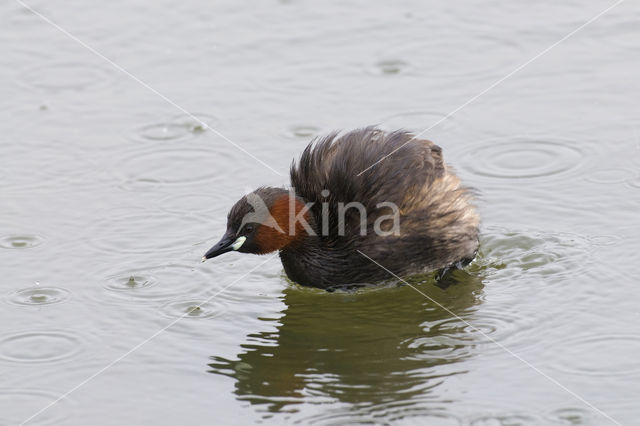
x,y
37,296
162,132
575,416
177,128
20,241
389,67
302,131
132,282
193,309
155,284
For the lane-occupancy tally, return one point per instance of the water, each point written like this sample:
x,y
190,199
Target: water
x,y
110,195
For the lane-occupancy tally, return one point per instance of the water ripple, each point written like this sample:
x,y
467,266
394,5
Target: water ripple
x,y
177,128
147,169
37,296
17,405
20,241
302,131
130,233
598,355
634,182
130,282
483,328
610,176
507,420
41,165
401,414
190,204
193,309
461,58
511,254
39,346
523,158
160,283
65,76
575,416
417,122
302,78
389,67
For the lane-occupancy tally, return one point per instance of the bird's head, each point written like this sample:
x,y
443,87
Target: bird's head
x,y
263,221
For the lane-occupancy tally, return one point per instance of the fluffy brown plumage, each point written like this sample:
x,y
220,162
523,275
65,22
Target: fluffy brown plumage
x,y
438,226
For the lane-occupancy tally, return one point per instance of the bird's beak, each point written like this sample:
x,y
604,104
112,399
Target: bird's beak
x,y
228,243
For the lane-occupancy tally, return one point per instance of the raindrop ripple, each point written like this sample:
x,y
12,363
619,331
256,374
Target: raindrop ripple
x,y
522,158
37,296
20,241
193,309
39,346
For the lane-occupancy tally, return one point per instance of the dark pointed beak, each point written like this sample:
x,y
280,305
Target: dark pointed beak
x,y
223,246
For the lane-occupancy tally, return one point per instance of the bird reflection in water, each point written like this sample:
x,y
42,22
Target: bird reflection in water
x,y
371,349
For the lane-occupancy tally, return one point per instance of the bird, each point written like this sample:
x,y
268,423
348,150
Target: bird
x,y
362,206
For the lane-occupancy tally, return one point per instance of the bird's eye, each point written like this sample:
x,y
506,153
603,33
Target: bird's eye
x,y
248,228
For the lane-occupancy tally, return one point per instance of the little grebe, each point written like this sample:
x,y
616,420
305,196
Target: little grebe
x,y
408,212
